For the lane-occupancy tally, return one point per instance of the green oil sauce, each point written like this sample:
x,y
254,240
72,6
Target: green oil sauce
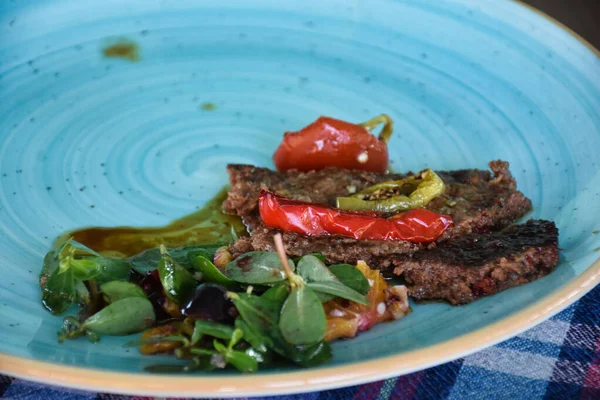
x,y
208,225
124,49
208,107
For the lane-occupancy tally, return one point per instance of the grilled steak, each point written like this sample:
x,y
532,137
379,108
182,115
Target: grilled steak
x,y
472,259
463,269
477,201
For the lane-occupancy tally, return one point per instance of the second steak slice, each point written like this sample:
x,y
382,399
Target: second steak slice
x,y
463,269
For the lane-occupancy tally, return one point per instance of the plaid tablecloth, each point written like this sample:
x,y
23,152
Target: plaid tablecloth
x,y
558,359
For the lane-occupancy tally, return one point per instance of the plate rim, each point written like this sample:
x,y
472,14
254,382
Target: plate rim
x,y
299,381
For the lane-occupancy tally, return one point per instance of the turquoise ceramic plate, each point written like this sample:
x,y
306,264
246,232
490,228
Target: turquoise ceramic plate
x,y
86,140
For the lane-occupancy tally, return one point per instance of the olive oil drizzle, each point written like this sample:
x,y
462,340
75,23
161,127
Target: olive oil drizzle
x,y
208,225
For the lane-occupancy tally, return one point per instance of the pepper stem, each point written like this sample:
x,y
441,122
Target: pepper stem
x,y
278,239
386,131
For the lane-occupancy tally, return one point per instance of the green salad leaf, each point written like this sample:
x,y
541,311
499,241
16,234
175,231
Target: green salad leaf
x,y
262,318
210,273
123,317
83,270
338,289
117,290
302,320
257,268
148,260
277,293
110,269
312,269
59,292
323,281
214,329
177,282
351,276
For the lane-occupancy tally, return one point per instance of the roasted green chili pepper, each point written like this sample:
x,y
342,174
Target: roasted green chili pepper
x,y
412,192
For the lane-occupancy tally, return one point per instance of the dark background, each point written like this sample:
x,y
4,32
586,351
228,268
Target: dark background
x,y
582,16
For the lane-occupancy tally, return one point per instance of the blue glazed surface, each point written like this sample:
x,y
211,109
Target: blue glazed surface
x,y
86,140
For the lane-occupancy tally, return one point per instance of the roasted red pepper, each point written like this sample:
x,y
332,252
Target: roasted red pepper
x,y
417,226
329,142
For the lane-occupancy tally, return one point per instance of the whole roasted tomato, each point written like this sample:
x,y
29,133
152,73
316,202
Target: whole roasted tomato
x,y
330,142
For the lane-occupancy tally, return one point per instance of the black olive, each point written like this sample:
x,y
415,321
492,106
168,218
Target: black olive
x,y
209,302
150,283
